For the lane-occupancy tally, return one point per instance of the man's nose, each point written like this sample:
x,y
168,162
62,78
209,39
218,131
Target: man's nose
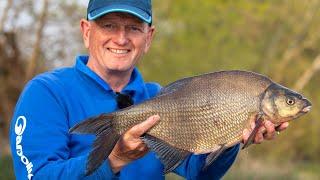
x,y
121,37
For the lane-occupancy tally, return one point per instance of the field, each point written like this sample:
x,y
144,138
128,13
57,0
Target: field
x,y
247,168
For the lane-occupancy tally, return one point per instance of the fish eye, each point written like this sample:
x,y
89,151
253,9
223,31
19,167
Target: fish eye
x,y
290,101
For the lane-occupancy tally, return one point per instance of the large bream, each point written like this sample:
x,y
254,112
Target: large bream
x,y
201,114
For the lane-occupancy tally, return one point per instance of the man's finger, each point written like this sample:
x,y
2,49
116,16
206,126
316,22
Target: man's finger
x,y
259,136
143,127
282,126
270,133
143,148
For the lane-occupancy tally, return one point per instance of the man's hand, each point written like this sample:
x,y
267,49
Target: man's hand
x,y
130,147
266,131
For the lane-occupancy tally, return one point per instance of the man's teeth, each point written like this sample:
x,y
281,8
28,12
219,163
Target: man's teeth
x,y
119,51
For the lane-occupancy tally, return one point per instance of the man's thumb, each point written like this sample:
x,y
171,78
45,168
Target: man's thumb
x,y
143,127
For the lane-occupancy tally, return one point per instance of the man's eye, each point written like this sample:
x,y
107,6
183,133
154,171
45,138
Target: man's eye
x,y
109,26
135,28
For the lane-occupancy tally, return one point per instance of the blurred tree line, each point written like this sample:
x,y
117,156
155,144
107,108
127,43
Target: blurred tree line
x,y
35,36
278,38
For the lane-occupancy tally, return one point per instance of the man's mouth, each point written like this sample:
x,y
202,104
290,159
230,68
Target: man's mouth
x,y
119,51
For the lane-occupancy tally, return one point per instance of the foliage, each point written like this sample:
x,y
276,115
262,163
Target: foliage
x,y
6,168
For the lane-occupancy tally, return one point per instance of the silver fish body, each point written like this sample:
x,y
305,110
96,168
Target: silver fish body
x,y
202,112
206,113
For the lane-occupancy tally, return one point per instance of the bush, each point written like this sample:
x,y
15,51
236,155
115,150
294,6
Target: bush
x,y
6,168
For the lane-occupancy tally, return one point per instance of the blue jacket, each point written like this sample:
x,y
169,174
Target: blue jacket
x,y
55,101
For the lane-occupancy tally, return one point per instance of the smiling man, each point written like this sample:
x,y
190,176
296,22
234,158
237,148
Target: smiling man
x,y
116,42
117,33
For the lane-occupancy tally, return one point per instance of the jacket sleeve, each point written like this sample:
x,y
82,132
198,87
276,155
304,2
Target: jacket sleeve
x,y
39,139
191,168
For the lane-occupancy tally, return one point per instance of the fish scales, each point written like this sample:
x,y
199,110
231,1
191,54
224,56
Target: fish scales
x,y
216,112
201,114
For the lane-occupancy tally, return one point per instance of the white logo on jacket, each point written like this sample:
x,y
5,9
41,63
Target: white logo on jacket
x,y
20,126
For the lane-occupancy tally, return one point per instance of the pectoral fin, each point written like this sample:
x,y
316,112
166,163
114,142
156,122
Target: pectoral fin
x,y
213,156
170,156
258,124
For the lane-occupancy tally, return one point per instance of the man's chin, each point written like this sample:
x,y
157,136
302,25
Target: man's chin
x,y
120,69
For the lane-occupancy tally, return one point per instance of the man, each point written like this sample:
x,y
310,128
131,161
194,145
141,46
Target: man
x,y
117,33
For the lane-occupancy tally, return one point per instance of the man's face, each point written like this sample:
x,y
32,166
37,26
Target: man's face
x,y
116,41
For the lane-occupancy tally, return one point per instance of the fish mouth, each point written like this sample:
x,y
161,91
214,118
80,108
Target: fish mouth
x,y
307,106
306,109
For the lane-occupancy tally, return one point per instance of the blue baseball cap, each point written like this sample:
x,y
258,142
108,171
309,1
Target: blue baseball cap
x,y
139,8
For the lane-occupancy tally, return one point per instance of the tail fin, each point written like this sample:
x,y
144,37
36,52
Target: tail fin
x,y
106,139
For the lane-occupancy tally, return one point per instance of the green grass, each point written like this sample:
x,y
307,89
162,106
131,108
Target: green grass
x,y
6,168
249,168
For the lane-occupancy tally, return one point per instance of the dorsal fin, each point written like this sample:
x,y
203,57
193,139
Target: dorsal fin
x,y
172,87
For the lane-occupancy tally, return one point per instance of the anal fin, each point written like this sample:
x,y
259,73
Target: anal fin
x,y
170,156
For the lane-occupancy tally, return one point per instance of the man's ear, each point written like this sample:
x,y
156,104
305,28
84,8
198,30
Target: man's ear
x,y
149,38
85,30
